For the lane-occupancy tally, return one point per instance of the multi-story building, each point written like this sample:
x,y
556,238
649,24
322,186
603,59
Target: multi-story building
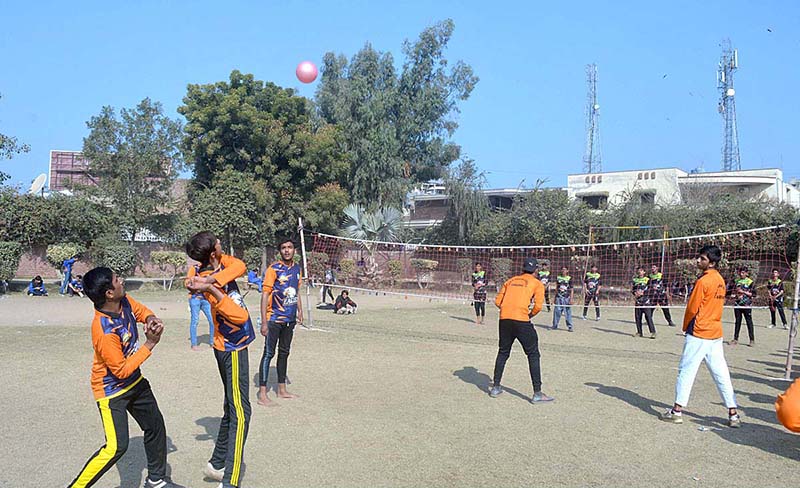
x,y
67,170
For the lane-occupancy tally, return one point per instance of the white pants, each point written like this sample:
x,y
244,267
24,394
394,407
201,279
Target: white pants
x,y
695,350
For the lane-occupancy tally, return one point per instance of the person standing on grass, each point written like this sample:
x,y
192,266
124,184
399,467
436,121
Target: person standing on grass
x,y
66,267
281,309
479,293
544,276
743,303
215,277
329,279
660,293
776,294
519,300
563,305
197,304
640,288
702,323
591,290
117,381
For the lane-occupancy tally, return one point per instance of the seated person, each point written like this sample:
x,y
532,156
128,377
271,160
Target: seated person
x,y
344,304
75,286
254,280
36,287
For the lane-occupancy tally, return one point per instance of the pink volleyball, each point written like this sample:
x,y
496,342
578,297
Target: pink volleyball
x,y
306,72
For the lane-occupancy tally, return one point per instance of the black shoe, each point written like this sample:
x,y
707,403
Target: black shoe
x,y
163,483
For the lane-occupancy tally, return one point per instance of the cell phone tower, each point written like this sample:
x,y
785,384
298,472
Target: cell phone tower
x,y
728,64
592,158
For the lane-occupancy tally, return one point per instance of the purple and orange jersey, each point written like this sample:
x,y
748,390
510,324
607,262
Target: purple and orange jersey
x,y
233,329
282,285
117,355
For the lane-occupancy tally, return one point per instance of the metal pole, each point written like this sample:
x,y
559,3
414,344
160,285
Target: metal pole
x,y
305,273
793,326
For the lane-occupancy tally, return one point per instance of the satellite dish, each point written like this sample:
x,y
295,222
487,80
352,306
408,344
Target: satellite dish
x,y
38,184
731,92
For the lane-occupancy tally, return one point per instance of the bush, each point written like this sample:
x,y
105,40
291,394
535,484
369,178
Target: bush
x,y
501,271
10,253
252,257
58,253
120,258
424,269
317,264
170,262
464,268
347,269
395,270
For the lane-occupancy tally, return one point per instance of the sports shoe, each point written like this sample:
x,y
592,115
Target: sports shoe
x,y
495,391
733,342
162,483
637,335
213,473
671,324
734,421
539,397
554,327
785,327
752,343
653,335
671,417
771,326
597,319
585,317
569,329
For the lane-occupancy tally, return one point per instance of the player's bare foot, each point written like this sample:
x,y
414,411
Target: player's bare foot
x,y
264,401
282,393
195,348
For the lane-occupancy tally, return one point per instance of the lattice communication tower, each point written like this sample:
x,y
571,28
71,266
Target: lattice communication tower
x,y
728,64
592,158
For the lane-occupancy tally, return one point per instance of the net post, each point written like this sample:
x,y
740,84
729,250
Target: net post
x,y
305,272
793,322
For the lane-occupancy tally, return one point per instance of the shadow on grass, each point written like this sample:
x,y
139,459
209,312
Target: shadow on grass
x,y
611,331
463,319
131,465
762,437
272,380
482,381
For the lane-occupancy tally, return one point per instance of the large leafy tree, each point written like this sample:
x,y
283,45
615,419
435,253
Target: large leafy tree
x,y
468,205
237,208
266,131
397,126
136,157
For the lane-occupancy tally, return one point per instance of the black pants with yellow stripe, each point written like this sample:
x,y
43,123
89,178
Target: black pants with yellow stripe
x,y
229,449
139,401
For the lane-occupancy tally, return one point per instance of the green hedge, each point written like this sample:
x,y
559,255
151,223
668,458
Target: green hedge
x,y
10,253
121,258
58,253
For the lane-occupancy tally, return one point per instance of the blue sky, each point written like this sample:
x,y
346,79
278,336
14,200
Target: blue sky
x,y
62,61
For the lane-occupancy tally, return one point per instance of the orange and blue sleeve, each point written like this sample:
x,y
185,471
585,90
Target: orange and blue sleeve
x,y
234,268
109,348
139,311
229,309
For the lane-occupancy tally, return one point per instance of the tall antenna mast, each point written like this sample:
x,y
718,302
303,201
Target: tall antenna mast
x,y
728,64
592,158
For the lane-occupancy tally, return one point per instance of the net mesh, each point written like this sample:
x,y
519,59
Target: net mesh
x,y
438,271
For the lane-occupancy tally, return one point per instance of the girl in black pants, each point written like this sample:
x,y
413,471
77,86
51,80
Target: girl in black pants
x,y
479,295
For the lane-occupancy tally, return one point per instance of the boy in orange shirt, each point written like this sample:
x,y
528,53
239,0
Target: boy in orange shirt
x,y
117,382
702,323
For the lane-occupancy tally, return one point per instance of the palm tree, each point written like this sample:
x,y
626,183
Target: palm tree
x,y
368,226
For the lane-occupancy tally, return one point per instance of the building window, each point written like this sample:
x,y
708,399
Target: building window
x,y
639,177
648,198
587,179
594,179
600,179
653,175
647,176
595,201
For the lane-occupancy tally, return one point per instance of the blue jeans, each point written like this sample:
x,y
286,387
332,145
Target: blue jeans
x,y
562,307
67,278
196,305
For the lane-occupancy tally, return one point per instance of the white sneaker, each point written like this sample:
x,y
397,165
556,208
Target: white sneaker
x,y
215,474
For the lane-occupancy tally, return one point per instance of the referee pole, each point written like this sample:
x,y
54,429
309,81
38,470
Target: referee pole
x,y
305,272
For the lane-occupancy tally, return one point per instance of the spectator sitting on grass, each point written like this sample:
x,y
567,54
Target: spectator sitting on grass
x,y
344,304
76,286
36,287
254,280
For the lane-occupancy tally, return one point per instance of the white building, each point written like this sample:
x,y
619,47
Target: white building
x,y
427,204
668,186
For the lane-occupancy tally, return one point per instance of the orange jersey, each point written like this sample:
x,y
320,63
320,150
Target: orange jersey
x,y
517,295
703,316
117,355
787,407
233,329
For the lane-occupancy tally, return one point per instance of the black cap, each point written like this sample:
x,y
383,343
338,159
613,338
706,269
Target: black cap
x,y
530,265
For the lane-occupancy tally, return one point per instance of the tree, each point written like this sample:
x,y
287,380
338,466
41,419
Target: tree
x,y
237,208
469,206
397,126
325,208
372,225
170,263
10,146
136,157
266,131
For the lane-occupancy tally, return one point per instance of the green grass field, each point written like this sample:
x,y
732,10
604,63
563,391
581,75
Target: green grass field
x,y
396,396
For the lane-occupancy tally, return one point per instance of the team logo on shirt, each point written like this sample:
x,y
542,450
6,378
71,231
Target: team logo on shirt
x,y
291,295
283,278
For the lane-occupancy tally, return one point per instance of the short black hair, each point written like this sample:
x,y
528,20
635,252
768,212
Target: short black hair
x,y
281,240
201,246
478,263
345,292
776,269
96,283
592,266
712,252
37,278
